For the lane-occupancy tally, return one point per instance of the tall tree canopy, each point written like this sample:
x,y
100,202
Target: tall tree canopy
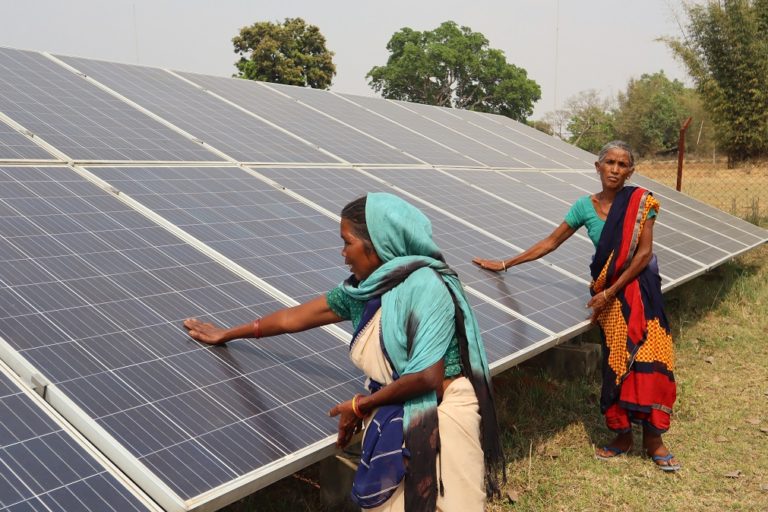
x,y
726,53
590,120
292,53
453,66
650,113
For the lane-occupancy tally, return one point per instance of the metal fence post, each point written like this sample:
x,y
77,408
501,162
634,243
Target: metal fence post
x,y
681,153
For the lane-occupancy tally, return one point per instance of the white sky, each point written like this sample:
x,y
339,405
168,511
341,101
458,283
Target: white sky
x,y
601,43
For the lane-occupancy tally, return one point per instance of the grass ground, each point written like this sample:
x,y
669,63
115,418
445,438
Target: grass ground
x,y
550,427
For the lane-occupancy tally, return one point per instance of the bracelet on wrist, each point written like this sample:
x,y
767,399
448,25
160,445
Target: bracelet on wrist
x,y
257,328
356,406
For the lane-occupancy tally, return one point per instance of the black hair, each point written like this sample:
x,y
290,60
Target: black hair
x,y
354,212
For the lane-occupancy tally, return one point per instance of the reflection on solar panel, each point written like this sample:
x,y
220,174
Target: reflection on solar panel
x,y
100,264
42,467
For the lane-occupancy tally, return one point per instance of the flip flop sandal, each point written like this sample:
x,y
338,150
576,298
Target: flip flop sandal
x,y
614,450
667,466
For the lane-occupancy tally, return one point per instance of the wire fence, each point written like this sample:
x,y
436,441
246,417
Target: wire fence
x,y
741,191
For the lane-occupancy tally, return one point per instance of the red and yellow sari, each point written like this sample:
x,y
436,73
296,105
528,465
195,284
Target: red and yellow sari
x,y
638,360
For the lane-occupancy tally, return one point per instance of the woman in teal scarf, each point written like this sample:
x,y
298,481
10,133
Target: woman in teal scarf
x,y
417,340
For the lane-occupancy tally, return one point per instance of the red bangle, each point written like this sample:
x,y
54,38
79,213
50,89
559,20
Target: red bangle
x,y
257,328
355,408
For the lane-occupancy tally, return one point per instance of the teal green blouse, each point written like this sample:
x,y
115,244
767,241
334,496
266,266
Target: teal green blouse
x,y
583,213
350,309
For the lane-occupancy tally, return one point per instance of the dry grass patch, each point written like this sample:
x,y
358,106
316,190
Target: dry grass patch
x,y
742,191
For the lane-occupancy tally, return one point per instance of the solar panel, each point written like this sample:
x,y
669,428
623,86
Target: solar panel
x,y
93,295
533,291
482,153
15,146
400,136
81,120
43,467
496,138
337,138
492,214
706,215
223,126
533,140
281,240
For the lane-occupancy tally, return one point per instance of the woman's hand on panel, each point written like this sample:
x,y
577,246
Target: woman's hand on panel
x,y
205,332
493,265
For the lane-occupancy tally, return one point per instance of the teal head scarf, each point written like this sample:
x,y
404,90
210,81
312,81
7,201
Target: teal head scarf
x,y
423,309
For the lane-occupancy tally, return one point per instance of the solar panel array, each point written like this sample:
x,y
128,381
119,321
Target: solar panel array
x,y
132,198
44,467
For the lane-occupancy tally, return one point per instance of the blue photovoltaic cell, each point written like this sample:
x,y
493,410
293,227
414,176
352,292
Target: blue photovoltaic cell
x,y
79,119
319,129
499,139
481,153
580,159
551,299
399,136
42,468
494,215
281,240
93,294
228,129
14,145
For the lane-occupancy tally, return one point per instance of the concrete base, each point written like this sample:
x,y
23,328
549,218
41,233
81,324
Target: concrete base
x,y
569,360
336,474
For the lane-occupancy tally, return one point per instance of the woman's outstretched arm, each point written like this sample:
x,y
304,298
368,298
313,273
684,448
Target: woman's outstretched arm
x,y
298,318
541,248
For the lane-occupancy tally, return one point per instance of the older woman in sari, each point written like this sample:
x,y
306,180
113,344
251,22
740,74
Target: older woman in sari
x,y
435,445
638,356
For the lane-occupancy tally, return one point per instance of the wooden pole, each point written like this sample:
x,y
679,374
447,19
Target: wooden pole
x,y
681,153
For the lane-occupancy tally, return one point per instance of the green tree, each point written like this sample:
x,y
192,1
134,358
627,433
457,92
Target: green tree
x,y
726,53
542,126
453,66
650,113
700,137
590,121
292,53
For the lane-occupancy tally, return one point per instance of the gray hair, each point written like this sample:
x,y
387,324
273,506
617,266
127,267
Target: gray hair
x,y
616,144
